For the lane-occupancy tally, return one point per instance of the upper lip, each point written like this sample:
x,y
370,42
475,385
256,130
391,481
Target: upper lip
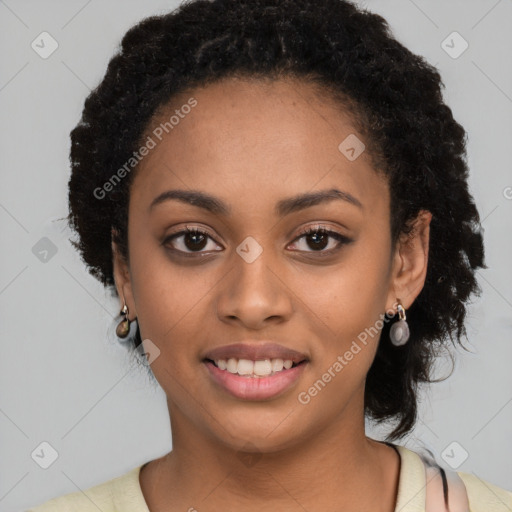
x,y
255,352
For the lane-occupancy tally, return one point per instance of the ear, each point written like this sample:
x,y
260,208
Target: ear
x,y
410,262
122,279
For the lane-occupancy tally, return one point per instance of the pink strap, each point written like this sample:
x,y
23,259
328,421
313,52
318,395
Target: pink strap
x,y
457,494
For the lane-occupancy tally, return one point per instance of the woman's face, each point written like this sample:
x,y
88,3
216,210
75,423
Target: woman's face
x,y
252,277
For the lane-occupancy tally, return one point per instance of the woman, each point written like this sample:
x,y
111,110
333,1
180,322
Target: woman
x,y
278,194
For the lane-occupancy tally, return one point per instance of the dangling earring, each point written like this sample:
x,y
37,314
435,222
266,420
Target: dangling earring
x,y
123,328
399,332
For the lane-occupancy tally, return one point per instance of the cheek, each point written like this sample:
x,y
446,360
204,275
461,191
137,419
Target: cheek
x,y
367,282
352,294
350,299
352,312
170,299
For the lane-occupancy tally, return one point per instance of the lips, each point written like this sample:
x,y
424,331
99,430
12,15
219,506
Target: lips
x,y
263,371
255,352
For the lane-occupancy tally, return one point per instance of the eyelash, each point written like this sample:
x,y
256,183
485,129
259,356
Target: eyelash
x,y
319,229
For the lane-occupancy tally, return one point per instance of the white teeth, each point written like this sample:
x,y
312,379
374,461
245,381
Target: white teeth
x,y
260,368
277,365
232,365
245,367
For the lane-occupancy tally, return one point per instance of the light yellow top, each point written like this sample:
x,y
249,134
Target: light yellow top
x,y
124,494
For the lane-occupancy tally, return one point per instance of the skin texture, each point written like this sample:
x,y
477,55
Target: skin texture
x,y
252,144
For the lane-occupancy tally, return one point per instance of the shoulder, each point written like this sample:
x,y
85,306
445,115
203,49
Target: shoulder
x,y
92,499
107,497
421,487
484,496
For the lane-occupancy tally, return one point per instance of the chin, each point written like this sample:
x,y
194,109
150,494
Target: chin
x,y
259,430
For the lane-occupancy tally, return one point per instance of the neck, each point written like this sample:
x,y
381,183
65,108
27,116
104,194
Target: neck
x,y
338,464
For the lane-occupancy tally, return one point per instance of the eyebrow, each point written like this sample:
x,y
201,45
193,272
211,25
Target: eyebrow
x,y
284,207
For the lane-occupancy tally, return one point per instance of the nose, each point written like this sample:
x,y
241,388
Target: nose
x,y
255,293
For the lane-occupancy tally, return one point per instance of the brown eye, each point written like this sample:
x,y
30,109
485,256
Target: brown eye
x,y
318,239
189,241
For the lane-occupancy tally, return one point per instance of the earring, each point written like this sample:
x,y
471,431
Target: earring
x,y
399,332
123,328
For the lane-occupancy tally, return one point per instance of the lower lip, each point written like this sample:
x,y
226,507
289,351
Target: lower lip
x,y
255,388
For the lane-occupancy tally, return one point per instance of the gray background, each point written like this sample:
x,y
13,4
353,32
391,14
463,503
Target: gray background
x,y
65,380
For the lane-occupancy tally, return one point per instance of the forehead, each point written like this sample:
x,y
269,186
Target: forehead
x,y
249,140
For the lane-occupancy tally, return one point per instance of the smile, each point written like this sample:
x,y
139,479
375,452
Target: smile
x,y
255,380
249,368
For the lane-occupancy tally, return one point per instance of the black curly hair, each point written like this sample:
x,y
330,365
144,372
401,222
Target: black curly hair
x,y
395,100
